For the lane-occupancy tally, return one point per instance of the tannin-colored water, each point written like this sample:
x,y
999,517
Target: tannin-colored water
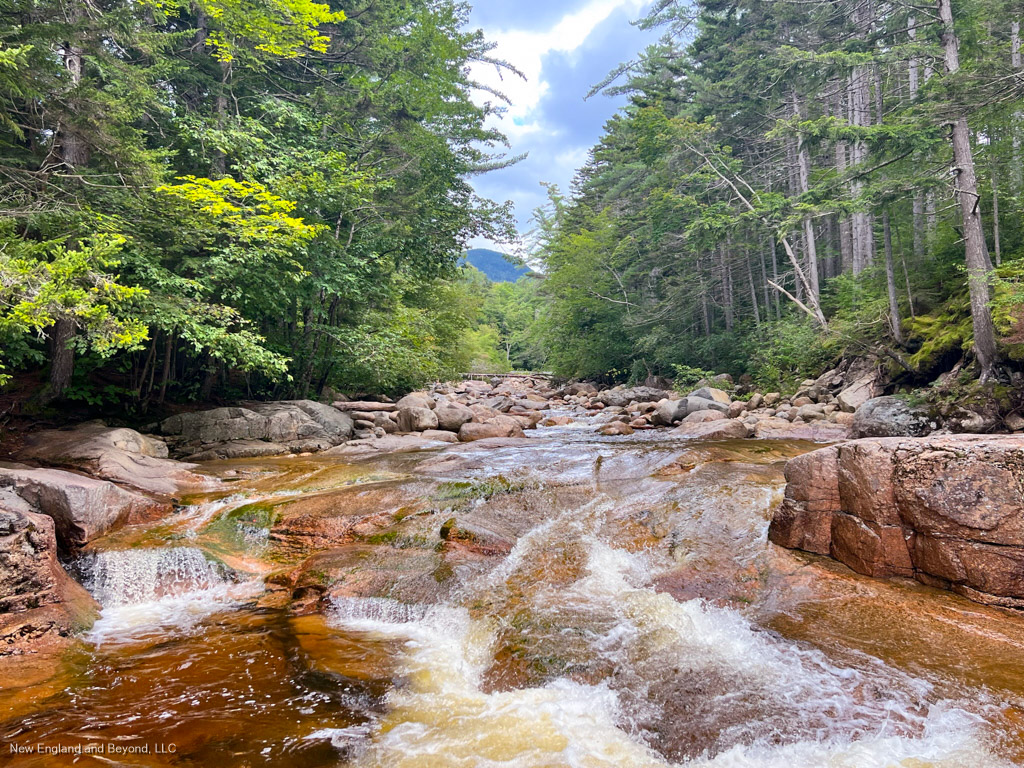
x,y
631,613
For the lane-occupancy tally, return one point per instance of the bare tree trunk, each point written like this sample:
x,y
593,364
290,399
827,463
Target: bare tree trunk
x,y
775,278
220,159
74,150
860,116
705,312
966,189
1015,62
890,282
62,356
914,87
727,294
764,282
996,245
803,163
166,374
753,294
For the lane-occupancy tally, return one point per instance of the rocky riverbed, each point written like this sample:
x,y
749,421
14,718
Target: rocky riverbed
x,y
509,572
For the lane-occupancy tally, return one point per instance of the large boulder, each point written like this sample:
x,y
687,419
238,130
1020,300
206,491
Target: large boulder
x,y
623,397
696,403
451,416
718,429
82,508
295,425
945,509
215,426
499,426
416,419
859,392
804,520
533,404
774,428
416,400
297,420
578,388
336,426
890,417
700,417
37,597
711,393
669,412
121,455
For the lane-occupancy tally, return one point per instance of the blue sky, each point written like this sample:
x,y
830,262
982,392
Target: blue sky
x,y
564,47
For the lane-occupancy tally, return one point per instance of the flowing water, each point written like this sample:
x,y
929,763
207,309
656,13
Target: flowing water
x,y
608,602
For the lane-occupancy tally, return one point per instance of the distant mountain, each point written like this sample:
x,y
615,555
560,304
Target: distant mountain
x,y
498,267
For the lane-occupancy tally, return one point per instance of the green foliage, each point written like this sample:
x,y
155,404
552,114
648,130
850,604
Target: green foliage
x,y
686,376
285,184
791,350
41,283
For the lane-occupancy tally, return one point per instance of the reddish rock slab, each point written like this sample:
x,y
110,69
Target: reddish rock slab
x,y
868,548
963,486
804,521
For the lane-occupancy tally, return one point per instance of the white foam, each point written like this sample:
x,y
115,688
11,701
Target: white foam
x,y
156,590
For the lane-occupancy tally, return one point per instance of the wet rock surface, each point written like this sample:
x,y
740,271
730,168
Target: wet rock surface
x,y
399,597
944,509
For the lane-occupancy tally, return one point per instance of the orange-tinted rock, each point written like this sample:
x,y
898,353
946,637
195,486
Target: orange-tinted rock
x,y
804,521
965,486
616,428
869,548
38,600
947,509
82,508
983,572
866,480
499,426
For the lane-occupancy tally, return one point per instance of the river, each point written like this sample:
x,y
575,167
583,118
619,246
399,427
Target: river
x,y
600,602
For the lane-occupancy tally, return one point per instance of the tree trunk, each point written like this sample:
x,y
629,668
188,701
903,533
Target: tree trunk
x,y
803,163
727,296
753,293
862,225
775,277
74,150
996,245
1015,62
166,373
966,189
890,282
914,86
62,356
220,159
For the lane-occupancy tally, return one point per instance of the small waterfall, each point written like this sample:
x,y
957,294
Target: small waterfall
x,y
134,576
156,591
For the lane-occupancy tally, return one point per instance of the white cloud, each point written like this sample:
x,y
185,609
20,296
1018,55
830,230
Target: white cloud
x,y
526,51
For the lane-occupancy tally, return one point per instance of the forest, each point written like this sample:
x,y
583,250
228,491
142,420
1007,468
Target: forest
x,y
795,182
237,197
270,198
